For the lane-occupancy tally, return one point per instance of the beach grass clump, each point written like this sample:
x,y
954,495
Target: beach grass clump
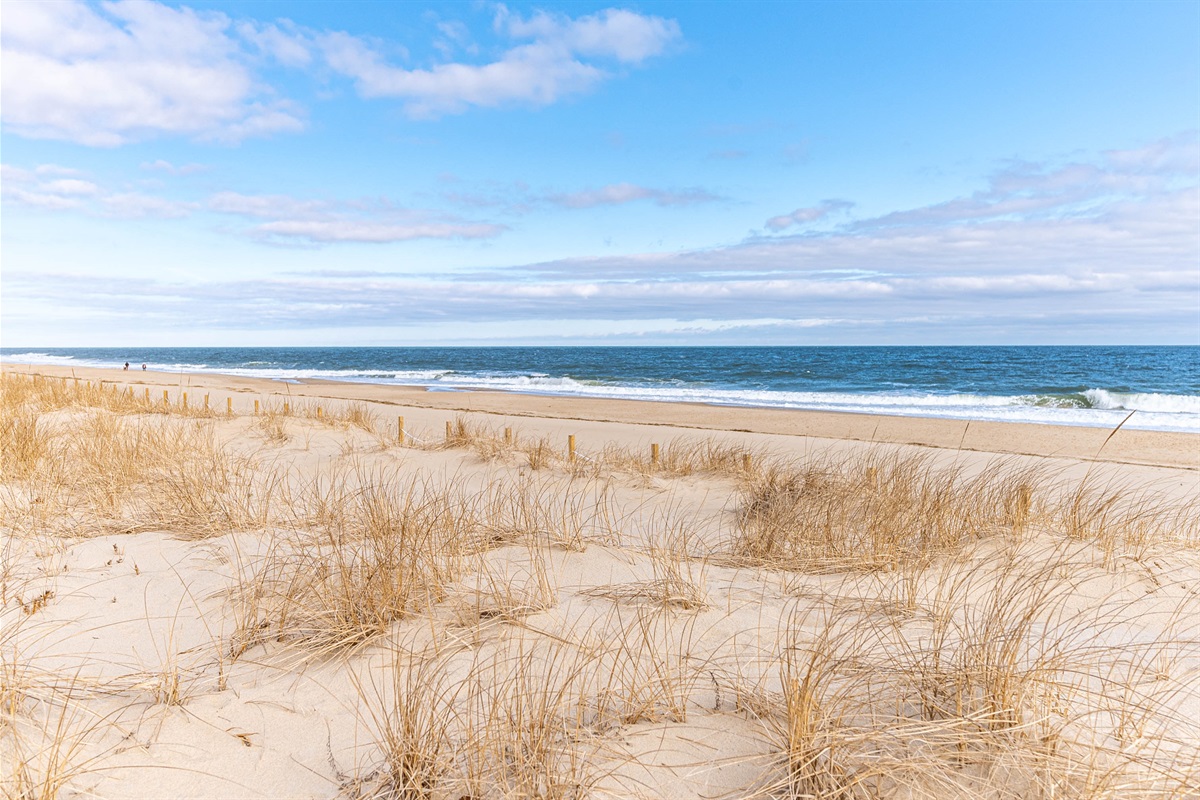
x,y
682,457
880,510
877,510
359,415
519,733
1124,520
360,555
24,442
500,726
412,716
271,424
678,580
1024,674
509,592
82,473
644,671
48,736
560,512
46,394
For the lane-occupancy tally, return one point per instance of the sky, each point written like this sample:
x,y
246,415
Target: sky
x,y
381,173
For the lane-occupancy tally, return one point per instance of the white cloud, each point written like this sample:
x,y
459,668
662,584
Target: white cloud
x,y
132,70
628,37
266,206
289,219
133,205
47,201
621,193
160,165
1101,250
553,65
803,216
284,42
349,230
40,188
71,186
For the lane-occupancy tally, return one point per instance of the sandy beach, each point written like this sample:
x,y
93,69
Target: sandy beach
x,y
222,587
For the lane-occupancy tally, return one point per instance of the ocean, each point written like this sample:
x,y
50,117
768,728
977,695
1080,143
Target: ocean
x,y
1090,386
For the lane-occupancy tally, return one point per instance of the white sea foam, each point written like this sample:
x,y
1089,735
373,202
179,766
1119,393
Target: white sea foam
x,y
38,358
1129,401
1095,407
1164,412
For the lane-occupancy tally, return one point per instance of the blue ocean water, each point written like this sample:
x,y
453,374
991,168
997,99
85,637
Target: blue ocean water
x,y
1094,386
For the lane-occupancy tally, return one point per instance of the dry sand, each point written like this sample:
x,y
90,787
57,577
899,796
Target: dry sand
x,y
208,604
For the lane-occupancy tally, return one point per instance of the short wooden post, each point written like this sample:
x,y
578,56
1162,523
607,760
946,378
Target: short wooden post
x,y
508,435
654,454
449,431
229,406
319,414
256,408
206,401
147,396
400,430
165,400
571,447
185,399
287,409
747,461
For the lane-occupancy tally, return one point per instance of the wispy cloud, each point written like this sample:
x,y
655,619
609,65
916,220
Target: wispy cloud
x,y
281,219
803,216
620,193
167,167
135,205
42,189
349,230
1042,247
271,219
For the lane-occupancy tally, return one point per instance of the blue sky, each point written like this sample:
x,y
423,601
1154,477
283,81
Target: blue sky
x,y
225,173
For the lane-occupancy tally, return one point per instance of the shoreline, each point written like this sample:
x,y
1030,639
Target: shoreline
x,y
1138,388
1149,448
637,583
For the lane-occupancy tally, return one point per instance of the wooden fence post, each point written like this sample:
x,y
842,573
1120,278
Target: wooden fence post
x,y
571,447
400,430
654,454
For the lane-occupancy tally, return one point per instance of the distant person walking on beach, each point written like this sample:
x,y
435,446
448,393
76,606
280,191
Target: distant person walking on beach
x,y
127,366
143,367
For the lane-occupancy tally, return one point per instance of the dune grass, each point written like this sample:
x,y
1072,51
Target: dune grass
x,y
889,625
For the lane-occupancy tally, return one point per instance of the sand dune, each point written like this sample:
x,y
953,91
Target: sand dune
x,y
219,600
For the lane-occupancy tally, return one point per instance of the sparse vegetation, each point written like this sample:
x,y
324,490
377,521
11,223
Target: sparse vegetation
x,y
875,624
